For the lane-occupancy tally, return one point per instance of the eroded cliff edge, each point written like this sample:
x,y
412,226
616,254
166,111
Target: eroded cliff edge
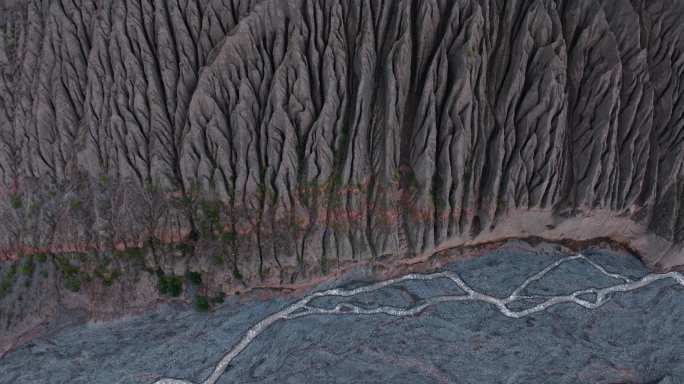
x,y
280,139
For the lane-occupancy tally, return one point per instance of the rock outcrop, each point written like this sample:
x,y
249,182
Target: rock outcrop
x,y
294,136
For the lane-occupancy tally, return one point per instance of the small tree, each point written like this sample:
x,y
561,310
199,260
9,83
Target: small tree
x,y
195,278
170,285
28,267
201,303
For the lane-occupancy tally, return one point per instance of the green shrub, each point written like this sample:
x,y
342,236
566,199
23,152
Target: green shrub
x,y
71,273
210,214
130,254
186,202
65,266
195,278
228,236
186,248
34,207
411,180
211,210
11,35
237,274
7,281
471,52
76,205
218,299
440,204
72,283
152,188
41,257
108,277
170,285
28,267
201,303
153,242
15,201
343,140
217,259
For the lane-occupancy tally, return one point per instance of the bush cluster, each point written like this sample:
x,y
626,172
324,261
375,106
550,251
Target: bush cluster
x,y
107,276
28,267
201,303
41,257
195,278
15,201
170,285
7,281
72,283
71,273
131,254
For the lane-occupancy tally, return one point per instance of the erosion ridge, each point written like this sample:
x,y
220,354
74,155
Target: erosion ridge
x,y
292,137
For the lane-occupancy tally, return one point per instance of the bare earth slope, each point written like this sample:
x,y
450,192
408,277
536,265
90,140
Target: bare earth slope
x,y
301,135
633,337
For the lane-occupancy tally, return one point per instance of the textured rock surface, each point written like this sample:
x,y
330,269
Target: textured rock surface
x,y
336,112
302,135
636,337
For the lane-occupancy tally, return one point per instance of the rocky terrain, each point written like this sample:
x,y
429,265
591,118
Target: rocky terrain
x,y
632,337
270,142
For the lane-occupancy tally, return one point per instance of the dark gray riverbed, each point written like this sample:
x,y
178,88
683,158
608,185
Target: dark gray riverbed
x,y
637,337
